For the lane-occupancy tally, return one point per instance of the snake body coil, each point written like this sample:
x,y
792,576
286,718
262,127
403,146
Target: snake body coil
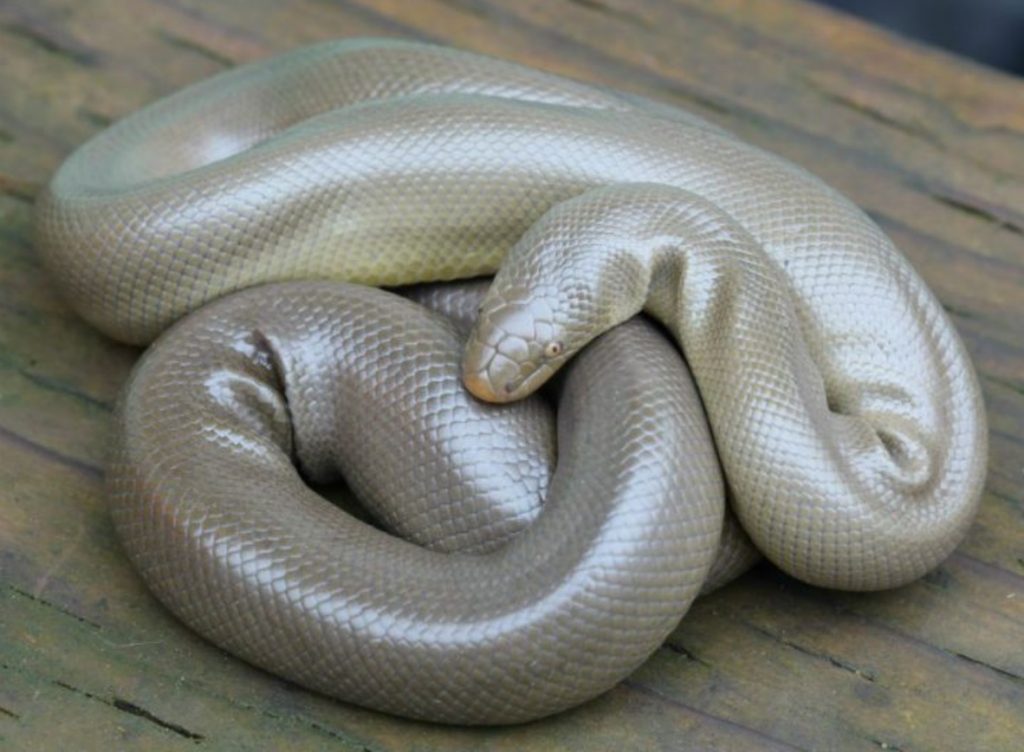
x,y
843,406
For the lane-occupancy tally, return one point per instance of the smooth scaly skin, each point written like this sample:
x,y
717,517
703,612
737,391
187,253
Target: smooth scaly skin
x,y
460,303
861,483
209,504
388,163
372,161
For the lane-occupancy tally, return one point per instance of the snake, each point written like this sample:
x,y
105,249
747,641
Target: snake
x,y
691,349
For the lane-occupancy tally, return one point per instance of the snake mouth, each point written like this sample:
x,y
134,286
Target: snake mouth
x,y
481,386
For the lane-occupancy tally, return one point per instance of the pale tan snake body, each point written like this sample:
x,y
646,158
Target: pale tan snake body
x,y
845,411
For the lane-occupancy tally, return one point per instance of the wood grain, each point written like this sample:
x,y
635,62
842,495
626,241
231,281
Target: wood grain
x,y
932,146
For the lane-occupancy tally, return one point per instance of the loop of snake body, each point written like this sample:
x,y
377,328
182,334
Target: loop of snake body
x,y
841,402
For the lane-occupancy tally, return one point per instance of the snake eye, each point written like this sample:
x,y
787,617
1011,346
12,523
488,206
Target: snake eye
x,y
553,349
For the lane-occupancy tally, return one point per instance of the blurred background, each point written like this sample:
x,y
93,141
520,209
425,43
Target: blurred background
x,y
990,31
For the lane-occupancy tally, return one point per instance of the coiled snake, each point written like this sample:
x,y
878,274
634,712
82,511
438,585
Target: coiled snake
x,y
844,410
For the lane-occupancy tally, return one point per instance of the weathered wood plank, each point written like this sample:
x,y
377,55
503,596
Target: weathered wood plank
x,y
931,146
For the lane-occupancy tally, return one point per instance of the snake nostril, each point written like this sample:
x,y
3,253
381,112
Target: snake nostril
x,y
510,387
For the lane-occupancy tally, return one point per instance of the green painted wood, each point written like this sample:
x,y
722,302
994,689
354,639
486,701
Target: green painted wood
x,y
932,146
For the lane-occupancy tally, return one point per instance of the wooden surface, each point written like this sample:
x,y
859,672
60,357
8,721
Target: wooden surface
x,y
931,146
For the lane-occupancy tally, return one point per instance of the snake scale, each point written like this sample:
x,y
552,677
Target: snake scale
x,y
543,554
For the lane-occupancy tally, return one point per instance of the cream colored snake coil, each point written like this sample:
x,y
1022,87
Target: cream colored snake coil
x,y
844,410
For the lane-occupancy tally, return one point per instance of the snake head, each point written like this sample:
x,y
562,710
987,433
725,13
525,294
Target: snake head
x,y
579,271
534,319
515,346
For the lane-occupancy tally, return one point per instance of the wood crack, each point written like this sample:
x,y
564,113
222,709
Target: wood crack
x,y
469,10
718,720
1011,578
876,114
50,454
388,23
54,606
678,649
615,13
712,105
989,666
52,385
1013,386
50,44
960,313
865,674
131,708
189,45
302,720
978,212
299,719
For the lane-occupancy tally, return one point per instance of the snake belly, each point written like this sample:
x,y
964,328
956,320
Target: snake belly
x,y
387,163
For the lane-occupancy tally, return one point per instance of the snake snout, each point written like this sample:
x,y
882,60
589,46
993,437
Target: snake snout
x,y
494,368
503,359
